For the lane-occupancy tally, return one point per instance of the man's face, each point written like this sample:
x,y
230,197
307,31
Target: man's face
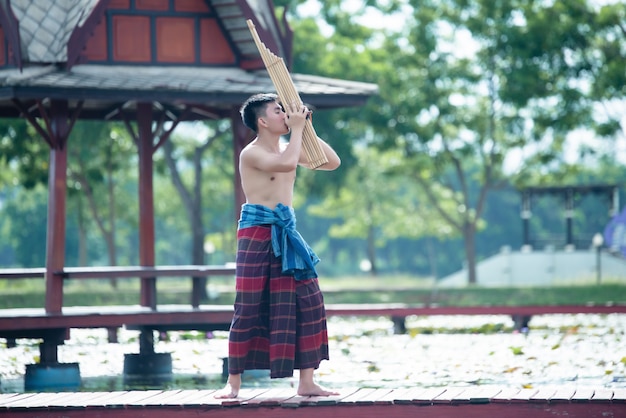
x,y
275,118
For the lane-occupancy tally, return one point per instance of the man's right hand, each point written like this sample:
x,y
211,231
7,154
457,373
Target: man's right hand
x,y
296,115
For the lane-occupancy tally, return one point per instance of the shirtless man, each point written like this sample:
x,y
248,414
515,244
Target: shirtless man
x,y
279,321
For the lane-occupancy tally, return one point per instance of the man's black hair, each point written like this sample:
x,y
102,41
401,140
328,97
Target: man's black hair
x,y
254,107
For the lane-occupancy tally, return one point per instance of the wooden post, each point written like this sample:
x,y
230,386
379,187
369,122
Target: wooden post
x,y
57,192
146,202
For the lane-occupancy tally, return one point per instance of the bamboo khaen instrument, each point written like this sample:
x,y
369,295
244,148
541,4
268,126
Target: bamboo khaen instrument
x,y
287,93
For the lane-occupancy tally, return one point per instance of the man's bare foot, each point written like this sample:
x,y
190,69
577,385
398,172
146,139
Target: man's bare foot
x,y
313,389
231,390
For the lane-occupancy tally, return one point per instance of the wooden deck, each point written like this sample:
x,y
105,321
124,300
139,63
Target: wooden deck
x,y
466,402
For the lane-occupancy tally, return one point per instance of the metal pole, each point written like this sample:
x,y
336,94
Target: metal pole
x,y
599,264
598,241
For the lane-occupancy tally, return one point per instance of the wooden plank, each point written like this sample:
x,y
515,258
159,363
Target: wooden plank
x,y
334,400
181,398
524,395
582,395
170,317
23,273
298,401
562,395
403,310
405,396
26,323
8,398
37,400
136,398
166,398
481,394
356,396
426,396
203,398
451,395
543,395
602,395
619,395
271,397
245,395
122,400
102,401
505,395
280,396
105,272
68,399
373,397
389,398
83,400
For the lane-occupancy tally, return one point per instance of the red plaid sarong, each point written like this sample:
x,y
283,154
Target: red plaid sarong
x,y
279,323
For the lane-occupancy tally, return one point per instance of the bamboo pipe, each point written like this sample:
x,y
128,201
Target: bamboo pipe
x,y
287,93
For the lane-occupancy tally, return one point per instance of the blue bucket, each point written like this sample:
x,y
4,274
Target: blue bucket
x,y
52,377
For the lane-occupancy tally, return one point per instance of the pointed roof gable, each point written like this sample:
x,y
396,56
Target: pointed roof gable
x,y
45,27
233,15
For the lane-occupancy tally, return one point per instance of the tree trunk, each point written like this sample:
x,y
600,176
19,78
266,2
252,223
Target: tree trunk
x,y
110,236
82,234
371,250
469,237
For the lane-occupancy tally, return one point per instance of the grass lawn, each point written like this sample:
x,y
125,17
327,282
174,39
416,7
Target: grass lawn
x,y
399,289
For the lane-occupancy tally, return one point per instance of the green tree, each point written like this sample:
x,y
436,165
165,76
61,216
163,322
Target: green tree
x,y
516,87
24,226
98,155
376,205
23,153
188,159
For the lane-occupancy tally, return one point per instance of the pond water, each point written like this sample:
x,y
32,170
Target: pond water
x,y
557,350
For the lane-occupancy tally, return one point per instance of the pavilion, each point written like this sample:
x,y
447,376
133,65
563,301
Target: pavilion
x,y
145,63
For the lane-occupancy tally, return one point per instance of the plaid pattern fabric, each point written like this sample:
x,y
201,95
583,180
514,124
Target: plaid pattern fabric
x,y
298,259
279,323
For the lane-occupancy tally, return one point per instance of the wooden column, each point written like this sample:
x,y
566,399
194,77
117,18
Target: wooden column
x,y
146,202
57,192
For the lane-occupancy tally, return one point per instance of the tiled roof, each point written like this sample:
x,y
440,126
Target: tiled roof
x,y
46,26
210,86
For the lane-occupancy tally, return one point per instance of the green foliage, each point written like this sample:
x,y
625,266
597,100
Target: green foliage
x,y
30,293
24,153
474,96
519,85
24,226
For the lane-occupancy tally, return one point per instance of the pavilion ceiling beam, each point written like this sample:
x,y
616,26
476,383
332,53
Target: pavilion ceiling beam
x,y
47,133
129,127
164,136
33,121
